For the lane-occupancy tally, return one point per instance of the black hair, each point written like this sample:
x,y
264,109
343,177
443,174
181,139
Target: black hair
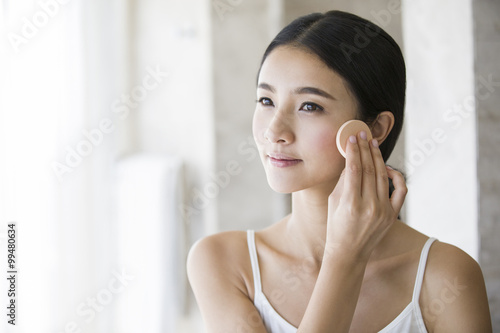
x,y
363,54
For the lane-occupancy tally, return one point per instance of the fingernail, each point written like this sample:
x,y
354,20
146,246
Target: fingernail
x,y
375,143
363,135
352,138
389,167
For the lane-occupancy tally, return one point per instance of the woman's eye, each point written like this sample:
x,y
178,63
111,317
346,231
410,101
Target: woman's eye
x,y
311,107
265,101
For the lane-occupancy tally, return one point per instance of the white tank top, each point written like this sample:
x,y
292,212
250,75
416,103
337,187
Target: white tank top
x,y
408,321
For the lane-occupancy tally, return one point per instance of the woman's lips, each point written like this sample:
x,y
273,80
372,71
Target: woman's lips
x,y
281,160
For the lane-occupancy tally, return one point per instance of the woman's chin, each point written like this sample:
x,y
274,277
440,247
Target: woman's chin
x,y
288,185
283,186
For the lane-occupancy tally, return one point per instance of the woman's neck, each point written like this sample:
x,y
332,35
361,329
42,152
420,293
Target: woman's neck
x,y
306,226
307,223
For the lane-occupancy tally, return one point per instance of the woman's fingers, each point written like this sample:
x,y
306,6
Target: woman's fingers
x,y
400,189
353,169
381,177
368,183
366,176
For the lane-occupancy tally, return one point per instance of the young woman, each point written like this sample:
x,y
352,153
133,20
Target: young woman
x,y
341,261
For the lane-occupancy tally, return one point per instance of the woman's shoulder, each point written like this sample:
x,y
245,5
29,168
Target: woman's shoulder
x,y
443,260
221,240
453,295
450,258
220,275
220,248
221,257
449,265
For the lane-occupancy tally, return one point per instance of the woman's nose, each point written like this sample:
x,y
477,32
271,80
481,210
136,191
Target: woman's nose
x,y
280,129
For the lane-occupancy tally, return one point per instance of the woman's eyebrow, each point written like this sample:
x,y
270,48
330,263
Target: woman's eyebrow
x,y
299,90
266,87
314,91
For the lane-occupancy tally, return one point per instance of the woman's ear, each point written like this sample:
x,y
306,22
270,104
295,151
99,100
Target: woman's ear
x,y
382,126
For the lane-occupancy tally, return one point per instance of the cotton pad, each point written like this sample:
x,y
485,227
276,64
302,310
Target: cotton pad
x,y
351,127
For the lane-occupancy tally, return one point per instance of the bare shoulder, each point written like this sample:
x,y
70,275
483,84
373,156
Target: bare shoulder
x,y
453,296
223,255
218,244
449,258
220,275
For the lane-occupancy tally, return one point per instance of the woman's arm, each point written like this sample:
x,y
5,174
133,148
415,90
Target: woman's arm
x,y
359,215
215,266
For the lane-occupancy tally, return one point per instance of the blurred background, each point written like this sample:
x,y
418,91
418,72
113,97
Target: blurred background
x,y
126,136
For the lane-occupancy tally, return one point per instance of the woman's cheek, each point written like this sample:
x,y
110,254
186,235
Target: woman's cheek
x,y
325,144
258,128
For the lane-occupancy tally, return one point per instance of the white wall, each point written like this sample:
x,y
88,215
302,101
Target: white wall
x,y
440,126
177,117
241,32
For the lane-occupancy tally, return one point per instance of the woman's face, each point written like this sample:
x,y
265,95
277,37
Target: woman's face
x,y
301,105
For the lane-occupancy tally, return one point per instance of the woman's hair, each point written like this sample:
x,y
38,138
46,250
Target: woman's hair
x,y
364,55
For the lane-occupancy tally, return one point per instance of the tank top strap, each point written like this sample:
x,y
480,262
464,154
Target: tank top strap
x,y
254,261
421,269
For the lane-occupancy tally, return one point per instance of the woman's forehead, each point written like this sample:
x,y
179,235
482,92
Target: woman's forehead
x,y
289,67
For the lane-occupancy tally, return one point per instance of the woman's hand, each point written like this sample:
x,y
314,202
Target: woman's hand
x,y
360,211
